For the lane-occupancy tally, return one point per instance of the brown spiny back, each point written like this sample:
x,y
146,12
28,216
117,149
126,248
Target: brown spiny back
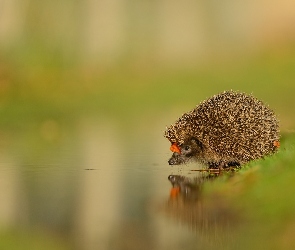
x,y
232,126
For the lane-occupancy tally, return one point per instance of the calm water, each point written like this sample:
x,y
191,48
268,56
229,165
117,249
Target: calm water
x,y
100,184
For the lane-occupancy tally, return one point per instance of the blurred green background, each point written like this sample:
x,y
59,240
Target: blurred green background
x,y
128,68
130,57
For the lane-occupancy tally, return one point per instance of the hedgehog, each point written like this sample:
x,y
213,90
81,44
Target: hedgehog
x,y
227,130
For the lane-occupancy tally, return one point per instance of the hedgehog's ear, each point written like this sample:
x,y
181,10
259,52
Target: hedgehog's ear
x,y
197,142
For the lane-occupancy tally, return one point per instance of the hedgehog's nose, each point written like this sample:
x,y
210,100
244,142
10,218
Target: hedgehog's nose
x,y
174,160
171,161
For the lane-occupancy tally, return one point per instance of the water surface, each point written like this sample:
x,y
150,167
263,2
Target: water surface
x,y
101,184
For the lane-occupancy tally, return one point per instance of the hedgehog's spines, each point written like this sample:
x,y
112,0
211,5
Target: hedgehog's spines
x,y
233,127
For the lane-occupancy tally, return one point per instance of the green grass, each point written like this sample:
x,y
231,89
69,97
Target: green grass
x,y
263,194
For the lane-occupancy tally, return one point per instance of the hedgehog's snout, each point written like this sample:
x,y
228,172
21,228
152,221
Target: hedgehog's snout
x,y
172,161
175,159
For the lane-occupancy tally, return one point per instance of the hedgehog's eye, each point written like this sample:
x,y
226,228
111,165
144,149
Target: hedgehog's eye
x,y
186,147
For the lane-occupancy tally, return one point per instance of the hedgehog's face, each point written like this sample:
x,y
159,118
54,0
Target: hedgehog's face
x,y
187,151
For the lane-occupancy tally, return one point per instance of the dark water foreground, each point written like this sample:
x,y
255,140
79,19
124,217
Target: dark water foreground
x,y
90,186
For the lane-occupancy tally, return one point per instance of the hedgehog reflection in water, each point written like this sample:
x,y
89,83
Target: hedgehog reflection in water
x,y
228,129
